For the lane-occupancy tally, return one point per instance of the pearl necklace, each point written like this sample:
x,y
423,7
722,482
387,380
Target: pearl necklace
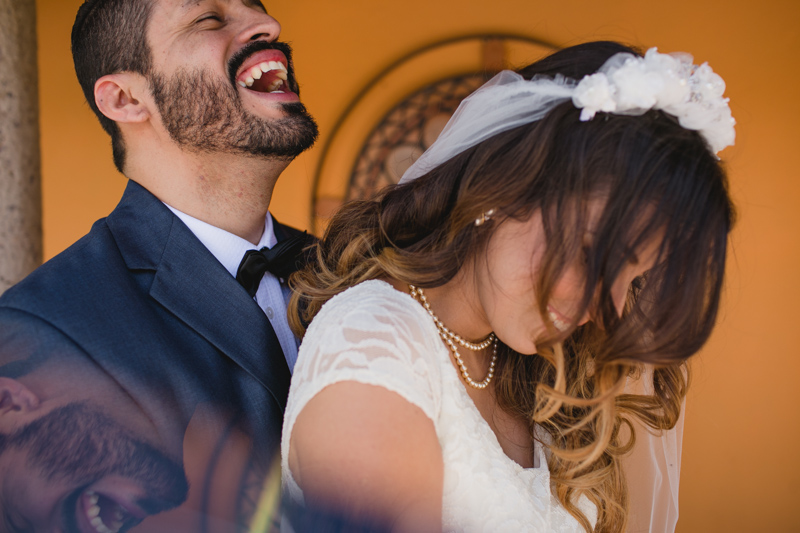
x,y
453,338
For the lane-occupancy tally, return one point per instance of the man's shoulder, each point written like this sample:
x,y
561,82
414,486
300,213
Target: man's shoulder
x,y
81,264
98,260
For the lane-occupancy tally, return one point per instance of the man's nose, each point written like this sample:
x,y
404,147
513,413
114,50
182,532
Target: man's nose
x,y
261,27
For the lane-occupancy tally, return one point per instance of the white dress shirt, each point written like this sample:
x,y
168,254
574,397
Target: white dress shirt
x,y
229,249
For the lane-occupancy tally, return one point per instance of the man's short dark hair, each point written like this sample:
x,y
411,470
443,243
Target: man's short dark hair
x,y
110,36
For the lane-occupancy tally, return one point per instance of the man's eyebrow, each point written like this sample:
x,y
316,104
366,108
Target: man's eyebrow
x,y
189,3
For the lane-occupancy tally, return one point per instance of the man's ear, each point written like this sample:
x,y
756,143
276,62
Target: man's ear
x,y
119,97
17,402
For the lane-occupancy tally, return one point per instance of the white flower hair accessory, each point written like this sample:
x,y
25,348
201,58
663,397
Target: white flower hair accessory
x,y
630,85
625,85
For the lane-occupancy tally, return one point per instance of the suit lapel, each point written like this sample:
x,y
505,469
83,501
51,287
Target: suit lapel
x,y
195,287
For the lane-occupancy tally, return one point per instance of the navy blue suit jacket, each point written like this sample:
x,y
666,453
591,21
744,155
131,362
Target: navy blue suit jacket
x,y
142,298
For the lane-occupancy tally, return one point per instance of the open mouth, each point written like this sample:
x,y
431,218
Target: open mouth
x,y
265,72
103,513
560,324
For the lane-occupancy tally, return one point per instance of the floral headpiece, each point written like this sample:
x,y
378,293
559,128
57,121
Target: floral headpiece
x,y
630,85
625,85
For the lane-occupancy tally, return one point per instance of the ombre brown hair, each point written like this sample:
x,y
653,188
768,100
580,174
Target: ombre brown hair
x,y
655,181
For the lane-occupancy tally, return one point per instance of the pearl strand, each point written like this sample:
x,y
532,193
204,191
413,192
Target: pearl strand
x,y
452,339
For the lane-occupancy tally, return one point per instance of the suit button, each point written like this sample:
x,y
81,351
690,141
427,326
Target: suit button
x,y
270,313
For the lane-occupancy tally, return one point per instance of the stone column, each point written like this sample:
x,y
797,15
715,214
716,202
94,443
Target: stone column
x,y
20,174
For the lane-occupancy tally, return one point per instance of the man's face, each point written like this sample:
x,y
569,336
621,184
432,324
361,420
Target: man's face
x,y
75,470
221,81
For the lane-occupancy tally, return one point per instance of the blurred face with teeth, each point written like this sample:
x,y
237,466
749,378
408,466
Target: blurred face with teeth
x,y
76,470
79,453
222,83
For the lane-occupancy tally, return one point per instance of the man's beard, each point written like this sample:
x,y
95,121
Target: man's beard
x,y
204,114
81,445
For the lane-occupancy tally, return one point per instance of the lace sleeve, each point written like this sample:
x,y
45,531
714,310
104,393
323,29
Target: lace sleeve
x,y
370,334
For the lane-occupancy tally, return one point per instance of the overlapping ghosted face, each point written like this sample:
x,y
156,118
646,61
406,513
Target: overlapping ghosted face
x,y
223,83
76,470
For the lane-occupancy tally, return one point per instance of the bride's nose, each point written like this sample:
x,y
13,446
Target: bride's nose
x,y
619,301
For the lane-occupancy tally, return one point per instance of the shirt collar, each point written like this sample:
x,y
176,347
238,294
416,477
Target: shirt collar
x,y
229,249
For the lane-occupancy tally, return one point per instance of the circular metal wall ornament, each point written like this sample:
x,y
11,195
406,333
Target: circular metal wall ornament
x,y
407,131
412,99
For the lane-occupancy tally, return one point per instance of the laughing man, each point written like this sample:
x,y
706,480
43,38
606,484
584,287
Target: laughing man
x,y
201,103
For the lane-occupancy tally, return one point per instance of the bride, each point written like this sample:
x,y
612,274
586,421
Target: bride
x,y
473,329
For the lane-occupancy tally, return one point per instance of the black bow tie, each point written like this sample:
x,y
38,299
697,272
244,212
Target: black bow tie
x,y
280,260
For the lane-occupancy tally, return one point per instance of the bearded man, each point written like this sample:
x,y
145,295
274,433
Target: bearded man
x,y
166,294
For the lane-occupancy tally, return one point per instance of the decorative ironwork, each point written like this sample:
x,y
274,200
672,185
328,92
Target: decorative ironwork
x,y
405,132
346,172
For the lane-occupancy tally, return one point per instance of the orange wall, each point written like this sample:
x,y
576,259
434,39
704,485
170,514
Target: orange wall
x,y
741,469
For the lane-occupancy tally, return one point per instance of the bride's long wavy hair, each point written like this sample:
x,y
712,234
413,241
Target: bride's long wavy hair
x,y
656,182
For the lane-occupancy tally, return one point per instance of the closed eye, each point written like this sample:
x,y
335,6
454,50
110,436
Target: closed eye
x,y
586,250
208,17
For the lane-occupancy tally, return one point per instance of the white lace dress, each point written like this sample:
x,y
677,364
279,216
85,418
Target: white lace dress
x,y
374,334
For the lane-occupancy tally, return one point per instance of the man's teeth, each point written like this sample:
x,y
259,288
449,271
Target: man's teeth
x,y
93,514
255,73
273,65
559,324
